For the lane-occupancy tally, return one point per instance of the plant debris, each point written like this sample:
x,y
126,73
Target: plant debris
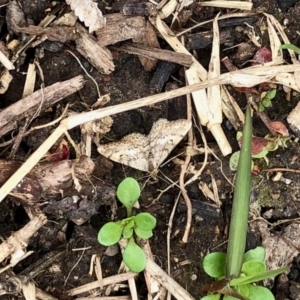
x,y
131,64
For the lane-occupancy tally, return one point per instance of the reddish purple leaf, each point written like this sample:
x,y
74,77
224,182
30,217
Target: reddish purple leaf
x,y
263,55
258,144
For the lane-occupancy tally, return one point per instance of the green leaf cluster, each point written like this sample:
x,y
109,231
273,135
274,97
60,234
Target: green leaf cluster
x,y
272,144
236,272
253,270
266,100
140,225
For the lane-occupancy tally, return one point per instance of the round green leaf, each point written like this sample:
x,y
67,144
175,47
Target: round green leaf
x,y
214,264
128,192
259,293
134,257
143,234
110,233
145,221
253,267
258,253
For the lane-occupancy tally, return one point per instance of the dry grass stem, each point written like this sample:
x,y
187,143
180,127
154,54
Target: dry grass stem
x,y
169,283
184,167
199,172
242,5
214,100
6,62
274,43
243,78
231,109
30,81
153,287
169,232
106,281
43,295
168,9
98,271
228,16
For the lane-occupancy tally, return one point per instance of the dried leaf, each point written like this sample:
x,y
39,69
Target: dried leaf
x,y
279,127
206,191
262,56
259,144
88,12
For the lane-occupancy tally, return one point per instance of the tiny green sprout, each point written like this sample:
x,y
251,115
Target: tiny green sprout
x,y
266,100
253,270
140,225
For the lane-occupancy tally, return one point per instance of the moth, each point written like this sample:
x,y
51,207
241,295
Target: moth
x,y
146,153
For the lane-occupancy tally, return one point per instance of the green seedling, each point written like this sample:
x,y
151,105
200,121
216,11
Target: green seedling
x,y
266,100
244,287
260,148
140,225
236,272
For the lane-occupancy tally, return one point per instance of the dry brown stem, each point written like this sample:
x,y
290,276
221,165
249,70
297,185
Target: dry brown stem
x,y
165,280
184,167
244,78
106,281
155,53
243,5
39,100
97,55
18,240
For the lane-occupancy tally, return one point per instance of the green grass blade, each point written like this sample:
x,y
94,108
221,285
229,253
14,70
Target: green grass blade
x,y
240,208
290,47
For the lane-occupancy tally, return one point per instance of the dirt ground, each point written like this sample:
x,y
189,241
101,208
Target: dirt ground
x,y
274,202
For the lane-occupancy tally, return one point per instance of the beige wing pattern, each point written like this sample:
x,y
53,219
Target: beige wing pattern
x,y
163,138
132,150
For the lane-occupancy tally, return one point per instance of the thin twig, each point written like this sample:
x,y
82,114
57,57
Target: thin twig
x,y
170,226
235,15
281,170
184,167
86,72
161,193
74,266
199,172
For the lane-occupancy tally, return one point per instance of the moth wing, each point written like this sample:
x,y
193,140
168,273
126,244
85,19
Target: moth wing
x,y
164,137
132,150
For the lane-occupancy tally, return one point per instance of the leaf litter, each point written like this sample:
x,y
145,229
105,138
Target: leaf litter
x,y
67,189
